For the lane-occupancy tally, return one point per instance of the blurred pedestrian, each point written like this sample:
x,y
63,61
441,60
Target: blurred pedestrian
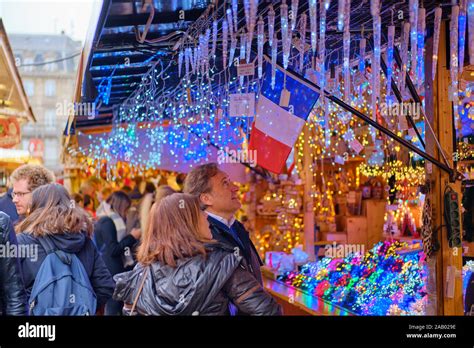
x,y
12,291
114,243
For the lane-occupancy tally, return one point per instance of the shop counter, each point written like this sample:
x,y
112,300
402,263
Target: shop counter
x,y
296,302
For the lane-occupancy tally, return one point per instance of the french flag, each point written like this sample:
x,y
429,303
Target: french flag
x,y
276,128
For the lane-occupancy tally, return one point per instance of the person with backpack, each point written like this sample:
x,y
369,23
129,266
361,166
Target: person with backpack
x,y
183,271
12,290
57,232
115,243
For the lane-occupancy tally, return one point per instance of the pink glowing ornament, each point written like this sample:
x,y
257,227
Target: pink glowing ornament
x,y
303,20
260,42
314,24
436,32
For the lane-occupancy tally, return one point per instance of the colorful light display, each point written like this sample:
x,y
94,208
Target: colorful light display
x,y
383,281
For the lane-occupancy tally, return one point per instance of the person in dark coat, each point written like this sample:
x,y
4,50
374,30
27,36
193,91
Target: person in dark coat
x,y
55,214
8,207
185,272
218,196
116,245
12,290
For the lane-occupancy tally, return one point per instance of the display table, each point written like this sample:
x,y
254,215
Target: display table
x,y
296,302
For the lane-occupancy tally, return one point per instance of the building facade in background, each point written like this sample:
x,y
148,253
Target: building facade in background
x,y
47,65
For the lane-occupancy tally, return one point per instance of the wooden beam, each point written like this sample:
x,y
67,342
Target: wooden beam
x,y
308,217
448,259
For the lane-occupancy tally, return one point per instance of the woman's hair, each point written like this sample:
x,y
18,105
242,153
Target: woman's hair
x,y
173,231
53,211
146,206
120,202
162,192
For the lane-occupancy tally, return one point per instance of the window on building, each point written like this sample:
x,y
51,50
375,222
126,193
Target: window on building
x,y
50,88
26,65
38,60
51,151
18,59
50,118
29,87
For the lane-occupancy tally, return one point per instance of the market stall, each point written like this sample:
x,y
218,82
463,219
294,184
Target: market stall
x,y
14,111
346,124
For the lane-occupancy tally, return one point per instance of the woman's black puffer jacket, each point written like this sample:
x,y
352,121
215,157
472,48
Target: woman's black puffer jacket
x,y
197,286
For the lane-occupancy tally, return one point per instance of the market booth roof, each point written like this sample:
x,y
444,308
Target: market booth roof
x,y
130,38
13,99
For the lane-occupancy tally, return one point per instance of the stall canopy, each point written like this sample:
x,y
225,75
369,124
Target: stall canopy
x,y
15,109
171,66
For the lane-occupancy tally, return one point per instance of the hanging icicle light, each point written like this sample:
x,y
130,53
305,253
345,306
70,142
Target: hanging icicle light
x,y
225,31
436,32
260,42
285,34
214,39
421,45
229,22
271,25
470,18
243,38
294,14
274,58
251,26
314,24
187,61
413,35
362,46
235,11
375,11
340,15
303,20
347,49
404,56
454,61
462,33
180,62
390,40
233,47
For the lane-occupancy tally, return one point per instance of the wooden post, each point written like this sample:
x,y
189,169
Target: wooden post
x,y
440,112
308,218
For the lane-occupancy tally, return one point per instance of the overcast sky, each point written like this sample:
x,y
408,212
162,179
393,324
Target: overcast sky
x,y
47,17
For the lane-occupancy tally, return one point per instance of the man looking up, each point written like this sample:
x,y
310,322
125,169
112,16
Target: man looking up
x,y
219,198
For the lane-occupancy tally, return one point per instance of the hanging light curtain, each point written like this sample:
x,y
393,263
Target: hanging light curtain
x,y
347,50
436,32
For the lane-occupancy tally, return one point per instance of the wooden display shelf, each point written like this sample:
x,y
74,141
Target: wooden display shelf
x,y
296,302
